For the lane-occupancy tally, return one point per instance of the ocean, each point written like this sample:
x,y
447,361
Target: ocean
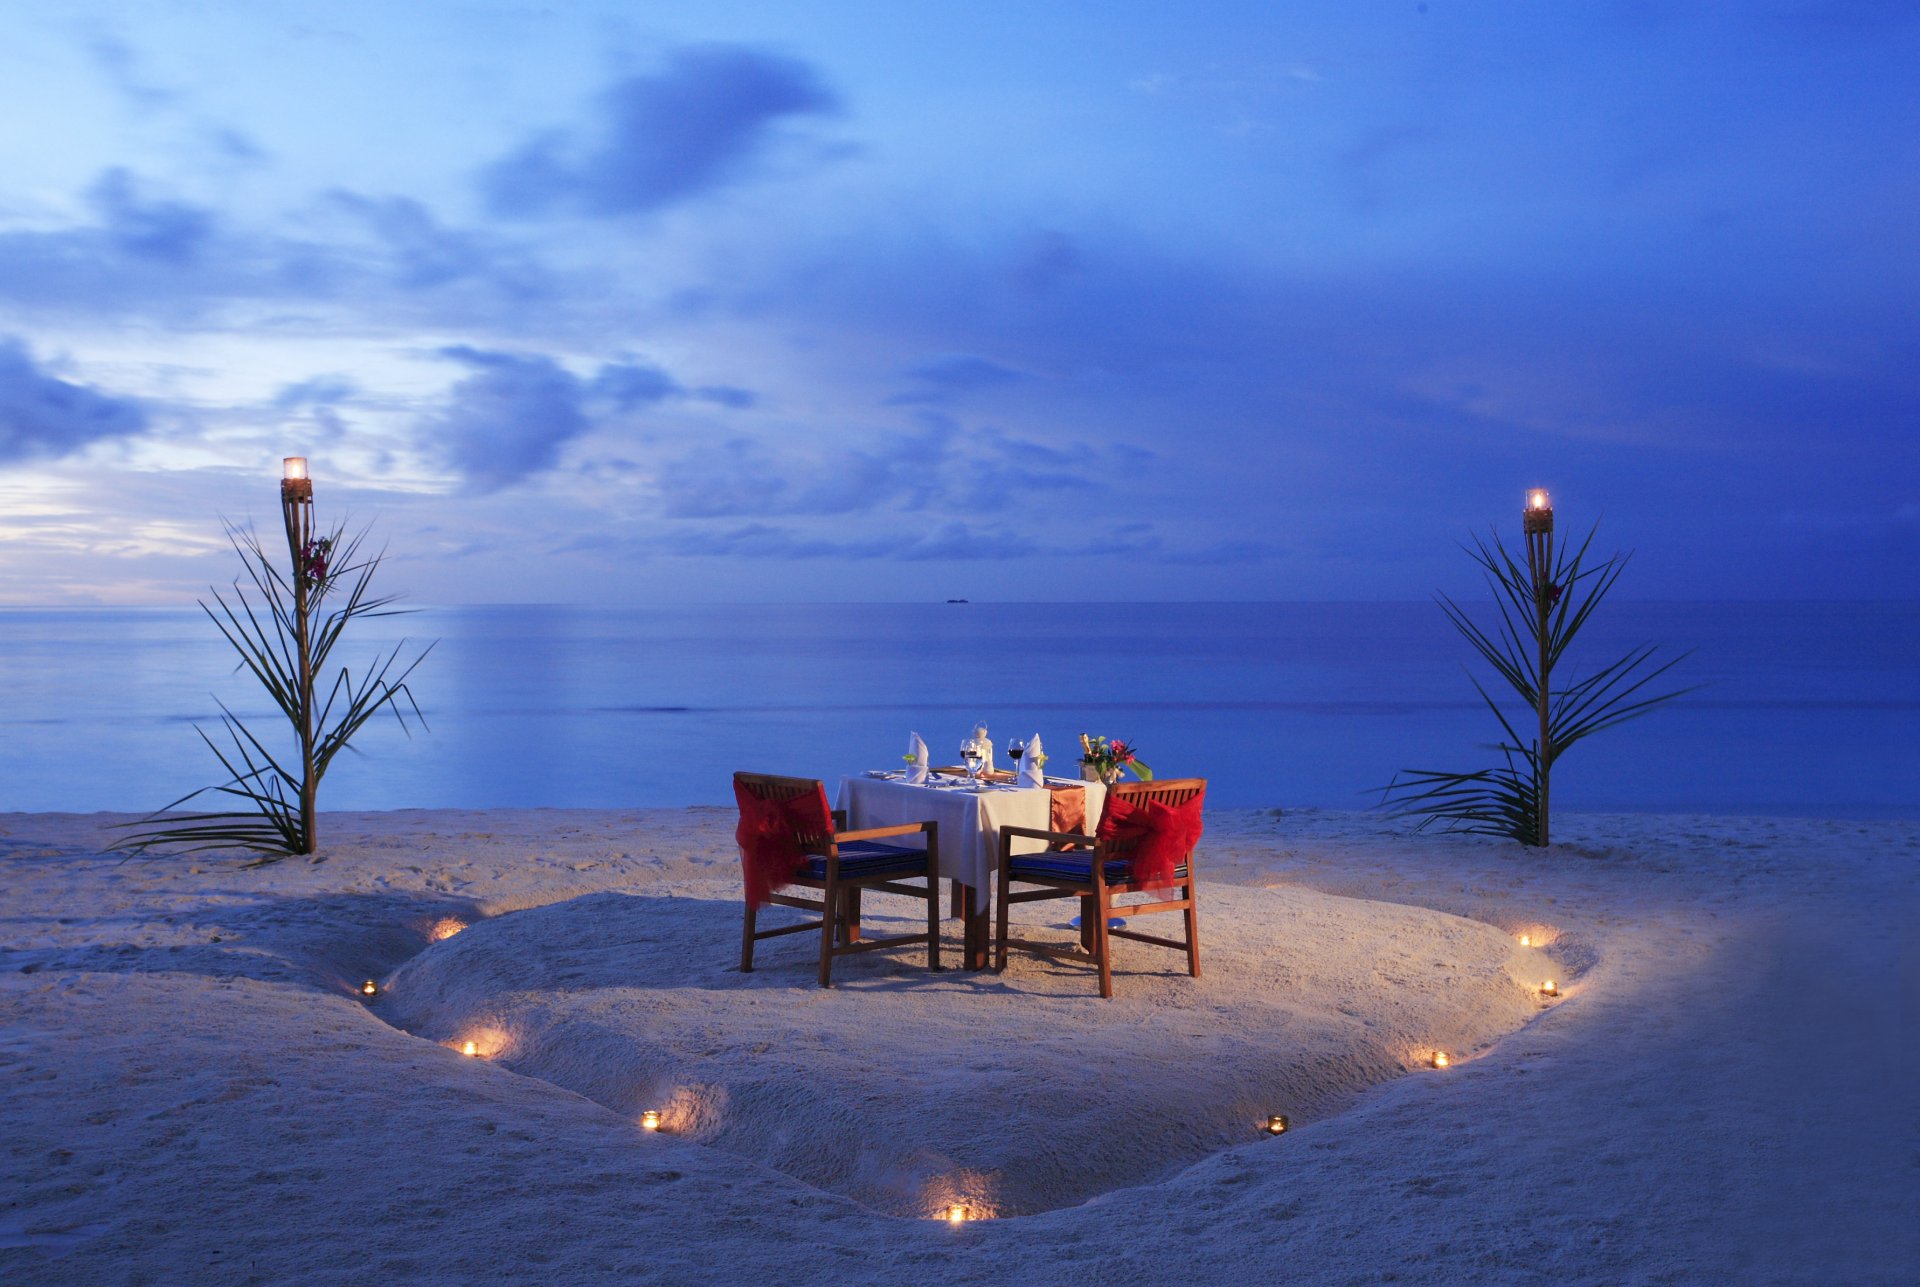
x,y
1804,708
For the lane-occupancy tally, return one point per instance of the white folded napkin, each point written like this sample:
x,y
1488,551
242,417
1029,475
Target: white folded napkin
x,y
1032,760
917,762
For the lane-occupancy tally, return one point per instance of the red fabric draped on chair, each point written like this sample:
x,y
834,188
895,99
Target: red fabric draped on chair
x,y
769,837
1155,837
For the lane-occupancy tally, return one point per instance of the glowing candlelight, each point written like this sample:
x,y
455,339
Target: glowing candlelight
x,y
1277,1124
1549,989
956,1214
1526,940
470,1049
369,989
445,928
1440,1059
1537,499
296,484
650,1120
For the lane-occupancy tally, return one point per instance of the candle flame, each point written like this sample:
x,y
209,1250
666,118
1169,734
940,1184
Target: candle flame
x,y
1440,1059
1537,499
470,1049
956,1214
650,1120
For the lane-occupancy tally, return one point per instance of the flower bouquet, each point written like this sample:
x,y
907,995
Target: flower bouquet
x,y
1103,758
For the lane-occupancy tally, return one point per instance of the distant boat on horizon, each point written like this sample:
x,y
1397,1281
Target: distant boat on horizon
x,y
956,600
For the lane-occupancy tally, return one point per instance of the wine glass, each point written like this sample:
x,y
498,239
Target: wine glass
x,y
970,752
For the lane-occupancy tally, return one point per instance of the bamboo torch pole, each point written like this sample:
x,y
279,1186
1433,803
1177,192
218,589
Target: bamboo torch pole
x,y
296,508
1537,522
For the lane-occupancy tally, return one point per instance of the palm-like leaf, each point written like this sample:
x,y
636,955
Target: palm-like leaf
x,y
265,790
1525,642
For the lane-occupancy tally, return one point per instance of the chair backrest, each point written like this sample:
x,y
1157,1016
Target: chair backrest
x,y
1170,792
813,834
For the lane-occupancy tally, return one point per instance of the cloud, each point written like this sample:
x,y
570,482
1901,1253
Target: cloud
x,y
937,467
632,385
42,415
726,395
169,232
660,139
318,391
423,253
511,418
953,373
953,541
115,58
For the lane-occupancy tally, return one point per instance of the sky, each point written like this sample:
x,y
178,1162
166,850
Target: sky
x,y
733,301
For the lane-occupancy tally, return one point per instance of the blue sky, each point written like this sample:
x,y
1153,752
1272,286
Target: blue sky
x,y
906,301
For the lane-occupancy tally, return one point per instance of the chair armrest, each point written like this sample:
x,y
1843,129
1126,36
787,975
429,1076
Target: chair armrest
x,y
1034,833
875,833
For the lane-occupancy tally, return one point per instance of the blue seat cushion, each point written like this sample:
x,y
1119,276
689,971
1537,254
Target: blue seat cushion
x,y
1056,864
871,858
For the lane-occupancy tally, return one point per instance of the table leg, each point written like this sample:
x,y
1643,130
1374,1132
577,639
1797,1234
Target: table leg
x,y
959,910
975,935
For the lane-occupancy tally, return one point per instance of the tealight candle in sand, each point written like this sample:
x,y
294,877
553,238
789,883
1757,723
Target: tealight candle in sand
x,y
369,989
1277,1124
1440,1059
956,1214
471,1049
650,1120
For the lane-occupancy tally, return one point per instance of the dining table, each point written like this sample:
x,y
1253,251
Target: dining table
x,y
970,815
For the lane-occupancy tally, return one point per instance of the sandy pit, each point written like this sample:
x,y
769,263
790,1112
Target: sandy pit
x,y
1008,1093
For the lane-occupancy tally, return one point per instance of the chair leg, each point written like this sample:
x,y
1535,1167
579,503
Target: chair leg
x,y
1193,929
1103,944
852,932
959,903
829,924
746,941
933,919
1002,886
1088,904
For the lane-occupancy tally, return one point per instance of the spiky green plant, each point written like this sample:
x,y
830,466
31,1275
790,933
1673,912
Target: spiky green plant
x,y
285,632
1538,620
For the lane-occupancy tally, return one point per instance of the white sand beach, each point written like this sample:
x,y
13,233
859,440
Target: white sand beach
x,y
1722,1093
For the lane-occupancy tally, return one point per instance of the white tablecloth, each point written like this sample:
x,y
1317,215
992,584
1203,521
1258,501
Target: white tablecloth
x,y
969,821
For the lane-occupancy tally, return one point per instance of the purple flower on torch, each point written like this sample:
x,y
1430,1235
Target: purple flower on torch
x,y
313,559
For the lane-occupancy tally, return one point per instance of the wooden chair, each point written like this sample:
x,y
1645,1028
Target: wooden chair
x,y
1096,875
841,864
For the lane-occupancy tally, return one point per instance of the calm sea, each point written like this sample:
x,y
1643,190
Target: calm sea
x,y
1805,709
